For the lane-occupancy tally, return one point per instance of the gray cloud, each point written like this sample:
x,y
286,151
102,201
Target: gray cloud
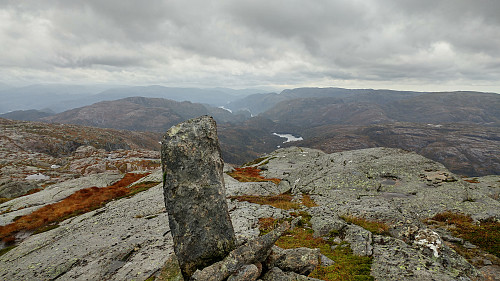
x,y
448,44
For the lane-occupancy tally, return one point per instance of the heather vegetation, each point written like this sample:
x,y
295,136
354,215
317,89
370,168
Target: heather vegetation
x,y
80,202
485,234
250,174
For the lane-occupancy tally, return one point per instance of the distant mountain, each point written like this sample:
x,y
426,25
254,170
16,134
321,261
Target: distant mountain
x,y
241,141
472,150
448,107
26,115
262,102
215,96
364,108
54,96
458,129
60,97
140,114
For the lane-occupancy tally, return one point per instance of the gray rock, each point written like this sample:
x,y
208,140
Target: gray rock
x,y
326,261
194,194
245,218
276,274
360,240
469,245
236,188
16,188
246,273
115,242
326,225
393,259
299,260
254,251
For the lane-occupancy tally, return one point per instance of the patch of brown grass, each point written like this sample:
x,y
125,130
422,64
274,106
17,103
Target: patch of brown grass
x,y
250,174
375,227
308,202
80,202
485,234
280,201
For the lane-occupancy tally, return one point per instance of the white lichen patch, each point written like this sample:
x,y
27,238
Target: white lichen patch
x,y
429,239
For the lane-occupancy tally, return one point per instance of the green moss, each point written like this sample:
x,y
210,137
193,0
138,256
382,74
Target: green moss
x,y
170,271
45,228
5,250
347,265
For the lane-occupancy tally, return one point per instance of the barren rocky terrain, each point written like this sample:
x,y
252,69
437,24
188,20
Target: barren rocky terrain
x,y
129,238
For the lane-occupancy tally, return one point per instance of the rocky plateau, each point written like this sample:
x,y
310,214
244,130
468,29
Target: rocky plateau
x,y
129,238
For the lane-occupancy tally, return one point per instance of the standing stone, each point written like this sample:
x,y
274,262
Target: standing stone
x,y
193,187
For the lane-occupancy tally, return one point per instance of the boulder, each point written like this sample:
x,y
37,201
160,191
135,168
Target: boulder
x,y
256,250
326,225
360,240
276,274
299,260
194,194
248,272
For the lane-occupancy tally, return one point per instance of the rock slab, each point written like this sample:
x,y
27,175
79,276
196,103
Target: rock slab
x,y
193,187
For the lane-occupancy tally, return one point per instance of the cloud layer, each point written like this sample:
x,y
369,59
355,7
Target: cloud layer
x,y
420,45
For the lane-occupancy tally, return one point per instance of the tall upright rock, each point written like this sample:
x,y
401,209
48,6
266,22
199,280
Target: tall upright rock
x,y
193,188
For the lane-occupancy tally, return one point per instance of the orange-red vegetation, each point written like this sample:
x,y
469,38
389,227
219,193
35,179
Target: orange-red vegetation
x,y
308,202
82,201
472,180
250,174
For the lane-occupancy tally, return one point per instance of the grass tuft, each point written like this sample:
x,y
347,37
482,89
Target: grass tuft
x,y
281,201
375,227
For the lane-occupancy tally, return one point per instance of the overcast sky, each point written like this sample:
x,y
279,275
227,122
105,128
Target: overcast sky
x,y
397,44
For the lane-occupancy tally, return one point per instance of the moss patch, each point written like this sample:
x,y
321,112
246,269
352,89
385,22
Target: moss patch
x,y
170,271
6,249
347,265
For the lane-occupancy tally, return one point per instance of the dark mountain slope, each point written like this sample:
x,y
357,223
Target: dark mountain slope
x,y
436,108
465,107
140,114
465,149
259,103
